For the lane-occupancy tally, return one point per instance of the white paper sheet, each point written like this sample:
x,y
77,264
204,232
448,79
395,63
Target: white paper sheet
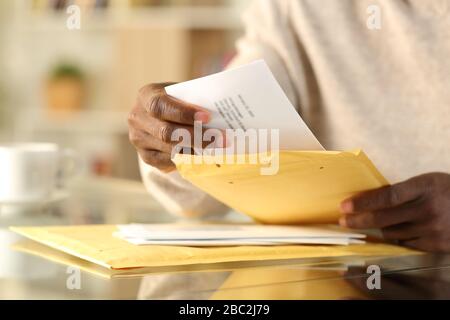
x,y
228,235
248,97
243,242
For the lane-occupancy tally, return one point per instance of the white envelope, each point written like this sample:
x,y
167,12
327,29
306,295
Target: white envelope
x,y
235,234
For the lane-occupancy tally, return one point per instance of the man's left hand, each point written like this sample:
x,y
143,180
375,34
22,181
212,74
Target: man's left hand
x,y
415,212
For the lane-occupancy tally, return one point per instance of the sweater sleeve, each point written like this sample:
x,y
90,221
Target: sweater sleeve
x,y
178,195
266,29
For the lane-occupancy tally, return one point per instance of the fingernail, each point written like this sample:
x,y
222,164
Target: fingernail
x,y
347,206
201,116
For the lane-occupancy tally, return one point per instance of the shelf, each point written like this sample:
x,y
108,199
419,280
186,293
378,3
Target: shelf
x,y
223,18
81,122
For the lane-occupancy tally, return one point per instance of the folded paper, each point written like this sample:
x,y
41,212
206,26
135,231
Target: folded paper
x,y
248,97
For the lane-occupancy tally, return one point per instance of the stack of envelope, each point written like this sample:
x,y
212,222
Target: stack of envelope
x,y
233,235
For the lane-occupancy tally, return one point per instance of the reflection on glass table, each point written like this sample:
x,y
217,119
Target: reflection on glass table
x,y
32,271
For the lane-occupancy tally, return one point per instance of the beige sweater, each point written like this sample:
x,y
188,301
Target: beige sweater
x,y
386,91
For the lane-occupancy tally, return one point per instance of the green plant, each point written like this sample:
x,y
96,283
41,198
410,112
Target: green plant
x,y
66,70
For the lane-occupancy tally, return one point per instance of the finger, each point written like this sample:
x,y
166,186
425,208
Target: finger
x,y
157,159
419,243
382,218
169,132
186,136
385,197
429,243
181,135
406,231
143,140
162,130
161,106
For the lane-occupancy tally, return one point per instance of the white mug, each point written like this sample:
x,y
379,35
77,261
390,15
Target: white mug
x,y
32,171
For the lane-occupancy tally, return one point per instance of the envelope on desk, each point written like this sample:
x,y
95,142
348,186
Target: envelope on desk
x,y
307,188
36,249
96,244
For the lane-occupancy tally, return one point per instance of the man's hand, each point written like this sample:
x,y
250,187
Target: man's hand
x,y
154,118
415,212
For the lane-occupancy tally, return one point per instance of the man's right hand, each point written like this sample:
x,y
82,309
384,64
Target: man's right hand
x,y
154,118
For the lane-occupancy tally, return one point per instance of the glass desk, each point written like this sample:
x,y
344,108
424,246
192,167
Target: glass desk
x,y
26,276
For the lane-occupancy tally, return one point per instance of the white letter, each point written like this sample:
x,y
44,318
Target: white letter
x,y
239,138
374,20
198,141
374,280
185,136
74,20
274,164
74,280
215,148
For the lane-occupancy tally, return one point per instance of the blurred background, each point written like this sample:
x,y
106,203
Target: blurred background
x,y
75,87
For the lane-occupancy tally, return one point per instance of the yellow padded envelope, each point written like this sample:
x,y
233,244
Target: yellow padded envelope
x,y
308,187
290,284
95,243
